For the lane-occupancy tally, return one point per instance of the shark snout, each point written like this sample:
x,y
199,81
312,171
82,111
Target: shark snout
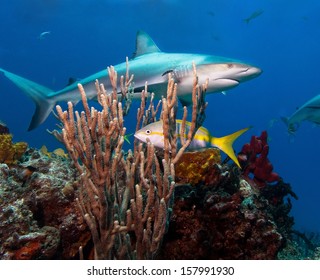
x,y
253,72
233,71
224,76
246,72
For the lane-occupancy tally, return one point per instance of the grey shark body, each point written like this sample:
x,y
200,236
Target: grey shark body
x,y
149,65
310,111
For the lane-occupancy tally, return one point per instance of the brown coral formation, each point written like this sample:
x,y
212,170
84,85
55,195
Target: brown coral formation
x,y
10,152
196,167
214,224
223,216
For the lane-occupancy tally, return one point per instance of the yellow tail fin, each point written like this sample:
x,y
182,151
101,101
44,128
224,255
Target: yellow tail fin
x,y
225,144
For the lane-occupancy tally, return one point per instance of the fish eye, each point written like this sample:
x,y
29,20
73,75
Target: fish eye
x,y
229,65
148,131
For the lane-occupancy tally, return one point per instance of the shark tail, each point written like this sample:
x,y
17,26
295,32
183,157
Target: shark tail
x,y
38,93
225,144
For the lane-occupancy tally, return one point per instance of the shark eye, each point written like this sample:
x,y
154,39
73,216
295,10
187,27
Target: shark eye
x,y
148,131
230,65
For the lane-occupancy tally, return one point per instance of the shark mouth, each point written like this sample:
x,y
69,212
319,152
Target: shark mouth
x,y
226,82
234,80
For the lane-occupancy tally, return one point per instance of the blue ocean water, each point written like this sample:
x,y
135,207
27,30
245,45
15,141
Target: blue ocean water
x,y
87,36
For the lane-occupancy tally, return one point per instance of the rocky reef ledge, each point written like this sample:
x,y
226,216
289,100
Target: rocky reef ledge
x,y
217,213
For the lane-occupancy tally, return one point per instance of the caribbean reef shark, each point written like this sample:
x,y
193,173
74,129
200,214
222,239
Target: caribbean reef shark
x,y
150,65
310,111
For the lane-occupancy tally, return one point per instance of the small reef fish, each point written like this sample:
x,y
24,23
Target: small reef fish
x,y
310,111
126,138
44,34
272,122
148,64
253,16
202,138
26,172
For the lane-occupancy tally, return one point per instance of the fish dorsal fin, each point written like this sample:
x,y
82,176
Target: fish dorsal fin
x,y
144,44
72,80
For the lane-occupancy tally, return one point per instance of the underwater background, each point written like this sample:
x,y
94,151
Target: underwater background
x,y
87,36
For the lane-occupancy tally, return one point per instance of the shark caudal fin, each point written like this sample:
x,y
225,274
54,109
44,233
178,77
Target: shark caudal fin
x,y
225,144
38,93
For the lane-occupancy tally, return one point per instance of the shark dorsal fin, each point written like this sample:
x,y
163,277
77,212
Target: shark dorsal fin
x,y
144,44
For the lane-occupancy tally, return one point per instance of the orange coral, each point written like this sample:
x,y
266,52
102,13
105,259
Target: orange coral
x,y
10,152
194,167
29,251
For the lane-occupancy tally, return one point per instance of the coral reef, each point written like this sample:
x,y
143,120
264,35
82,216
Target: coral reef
x,y
10,152
301,246
222,216
214,223
254,160
39,216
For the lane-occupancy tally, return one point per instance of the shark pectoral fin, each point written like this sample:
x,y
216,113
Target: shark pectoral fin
x,y
285,120
225,144
38,93
185,100
292,127
40,115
